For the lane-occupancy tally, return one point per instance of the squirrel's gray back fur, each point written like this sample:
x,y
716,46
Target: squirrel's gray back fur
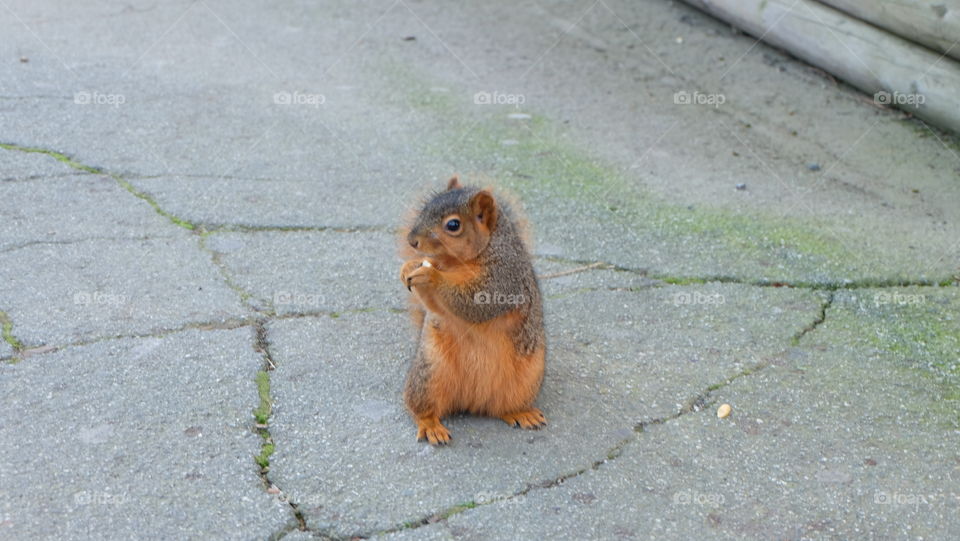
x,y
509,281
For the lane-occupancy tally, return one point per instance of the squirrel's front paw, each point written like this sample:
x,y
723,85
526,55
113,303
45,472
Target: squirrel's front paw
x,y
416,272
406,269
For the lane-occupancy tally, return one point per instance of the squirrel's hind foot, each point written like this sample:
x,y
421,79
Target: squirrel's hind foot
x,y
531,419
433,431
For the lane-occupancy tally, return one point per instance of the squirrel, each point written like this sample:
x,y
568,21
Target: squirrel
x,y
476,305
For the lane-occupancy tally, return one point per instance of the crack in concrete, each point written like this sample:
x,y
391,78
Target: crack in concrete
x,y
335,314
245,228
864,283
262,415
28,244
699,402
193,226
182,222
123,183
28,178
584,268
216,177
821,317
216,258
263,412
228,324
670,279
695,404
36,97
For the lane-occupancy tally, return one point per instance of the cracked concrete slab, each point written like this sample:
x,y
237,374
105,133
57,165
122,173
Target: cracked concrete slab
x,y
73,208
840,438
124,437
605,374
59,294
312,271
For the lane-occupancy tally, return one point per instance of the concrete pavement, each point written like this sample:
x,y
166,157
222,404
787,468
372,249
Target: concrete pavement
x,y
203,329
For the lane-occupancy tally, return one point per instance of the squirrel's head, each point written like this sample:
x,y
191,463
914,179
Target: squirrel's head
x,y
455,225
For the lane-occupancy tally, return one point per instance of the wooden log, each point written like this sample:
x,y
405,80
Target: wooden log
x,y
935,24
895,71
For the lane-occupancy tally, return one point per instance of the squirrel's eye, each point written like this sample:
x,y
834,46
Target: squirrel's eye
x,y
453,225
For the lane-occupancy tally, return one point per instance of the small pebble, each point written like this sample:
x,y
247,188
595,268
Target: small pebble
x,y
813,166
741,186
723,411
24,60
410,38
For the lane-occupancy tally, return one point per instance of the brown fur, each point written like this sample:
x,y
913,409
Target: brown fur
x,y
482,358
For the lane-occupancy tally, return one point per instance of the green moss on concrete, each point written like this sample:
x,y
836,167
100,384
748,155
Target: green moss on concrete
x,y
263,459
262,412
59,156
456,510
262,416
6,327
549,172
924,130
150,201
915,330
921,326
442,515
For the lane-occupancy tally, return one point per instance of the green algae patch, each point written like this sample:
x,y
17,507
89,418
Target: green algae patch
x,y
599,212
914,330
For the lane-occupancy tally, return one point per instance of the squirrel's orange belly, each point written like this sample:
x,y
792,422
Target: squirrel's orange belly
x,y
477,369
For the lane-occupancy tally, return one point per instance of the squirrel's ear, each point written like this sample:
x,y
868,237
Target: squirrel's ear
x,y
484,207
454,182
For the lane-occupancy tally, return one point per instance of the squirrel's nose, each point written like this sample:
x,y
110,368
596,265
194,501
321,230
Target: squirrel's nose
x,y
412,239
